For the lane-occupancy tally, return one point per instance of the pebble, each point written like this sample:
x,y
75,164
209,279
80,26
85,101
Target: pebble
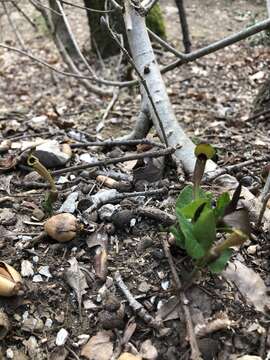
x,y
61,337
27,268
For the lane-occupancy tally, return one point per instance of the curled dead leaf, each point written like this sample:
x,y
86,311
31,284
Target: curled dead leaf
x,y
99,347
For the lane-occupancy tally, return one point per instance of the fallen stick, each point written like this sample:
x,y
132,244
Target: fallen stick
x,y
148,154
195,351
135,305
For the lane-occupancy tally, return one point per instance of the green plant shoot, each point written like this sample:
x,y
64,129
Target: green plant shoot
x,y
199,220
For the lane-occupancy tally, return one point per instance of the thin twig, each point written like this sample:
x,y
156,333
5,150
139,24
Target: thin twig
x,y
266,188
264,204
13,27
88,9
39,5
195,352
24,15
134,304
69,74
147,5
148,154
218,45
227,169
143,82
184,25
258,114
109,143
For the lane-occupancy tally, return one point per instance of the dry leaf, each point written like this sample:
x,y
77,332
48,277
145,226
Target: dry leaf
x,y
249,283
169,310
99,347
76,280
148,351
128,356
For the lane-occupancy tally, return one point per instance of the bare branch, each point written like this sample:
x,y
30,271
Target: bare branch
x,y
88,9
13,27
143,82
220,44
69,74
184,25
147,5
24,14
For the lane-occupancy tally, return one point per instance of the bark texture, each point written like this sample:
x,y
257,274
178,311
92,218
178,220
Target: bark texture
x,y
101,40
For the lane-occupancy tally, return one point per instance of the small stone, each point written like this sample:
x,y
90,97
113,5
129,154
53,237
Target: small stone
x,y
9,354
27,268
83,338
45,271
89,305
251,250
70,204
37,278
144,287
61,337
38,214
52,155
48,323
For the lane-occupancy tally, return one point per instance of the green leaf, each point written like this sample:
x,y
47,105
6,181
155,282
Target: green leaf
x,y
189,206
192,246
179,236
185,197
218,265
222,201
190,210
204,228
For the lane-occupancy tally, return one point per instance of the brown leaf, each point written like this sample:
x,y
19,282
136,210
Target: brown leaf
x,y
128,356
99,347
100,263
8,163
249,283
148,351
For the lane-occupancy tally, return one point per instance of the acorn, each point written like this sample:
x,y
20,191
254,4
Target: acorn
x,y
10,280
62,227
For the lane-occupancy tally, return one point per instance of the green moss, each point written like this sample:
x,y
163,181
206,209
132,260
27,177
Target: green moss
x,y
42,26
155,21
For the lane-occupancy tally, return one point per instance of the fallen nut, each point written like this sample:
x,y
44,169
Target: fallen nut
x,y
10,280
4,325
62,227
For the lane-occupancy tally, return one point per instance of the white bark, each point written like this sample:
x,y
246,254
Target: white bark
x,y
145,61
268,7
144,58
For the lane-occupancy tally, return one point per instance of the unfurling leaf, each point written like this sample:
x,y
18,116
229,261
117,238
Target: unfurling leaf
x,y
192,246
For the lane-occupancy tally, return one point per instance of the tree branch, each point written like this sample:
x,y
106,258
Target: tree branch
x,y
220,44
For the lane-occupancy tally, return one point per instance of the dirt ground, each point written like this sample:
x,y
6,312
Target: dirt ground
x,y
213,99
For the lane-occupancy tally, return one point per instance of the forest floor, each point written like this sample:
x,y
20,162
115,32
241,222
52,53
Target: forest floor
x,y
70,289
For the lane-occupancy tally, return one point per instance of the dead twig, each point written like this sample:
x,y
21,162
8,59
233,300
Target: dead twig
x,y
108,143
149,154
195,352
264,204
134,304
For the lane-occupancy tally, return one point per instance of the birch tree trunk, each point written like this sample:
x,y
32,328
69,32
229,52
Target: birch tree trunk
x,y
144,58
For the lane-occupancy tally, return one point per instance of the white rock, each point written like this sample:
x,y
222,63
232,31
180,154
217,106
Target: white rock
x,y
70,204
37,278
44,270
48,323
61,337
27,268
10,354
